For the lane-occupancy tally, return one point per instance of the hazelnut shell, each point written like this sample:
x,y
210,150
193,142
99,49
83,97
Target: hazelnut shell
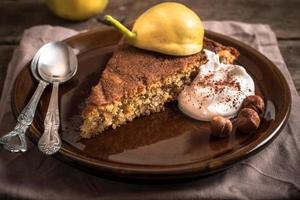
x,y
248,120
220,126
254,102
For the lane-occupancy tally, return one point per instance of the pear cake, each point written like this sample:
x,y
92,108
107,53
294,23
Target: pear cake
x,y
137,82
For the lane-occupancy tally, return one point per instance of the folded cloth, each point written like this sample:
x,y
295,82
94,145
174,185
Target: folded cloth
x,y
273,173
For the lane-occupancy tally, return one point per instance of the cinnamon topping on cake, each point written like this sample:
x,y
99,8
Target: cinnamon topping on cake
x,y
137,82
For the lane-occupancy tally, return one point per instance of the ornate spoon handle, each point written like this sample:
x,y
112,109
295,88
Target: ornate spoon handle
x,y
50,142
24,121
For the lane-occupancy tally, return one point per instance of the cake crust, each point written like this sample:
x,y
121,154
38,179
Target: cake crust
x,y
137,82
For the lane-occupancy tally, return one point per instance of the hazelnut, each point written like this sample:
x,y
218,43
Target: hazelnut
x,y
248,120
254,102
220,126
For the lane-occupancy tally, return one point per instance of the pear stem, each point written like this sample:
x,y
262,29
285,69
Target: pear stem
x,y
129,34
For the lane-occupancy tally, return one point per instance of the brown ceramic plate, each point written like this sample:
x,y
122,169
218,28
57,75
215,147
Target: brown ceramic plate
x,y
162,146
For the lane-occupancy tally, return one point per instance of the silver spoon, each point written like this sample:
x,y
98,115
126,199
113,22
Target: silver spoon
x,y
26,117
56,65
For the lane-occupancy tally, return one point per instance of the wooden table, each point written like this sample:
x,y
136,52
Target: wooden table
x,y
282,15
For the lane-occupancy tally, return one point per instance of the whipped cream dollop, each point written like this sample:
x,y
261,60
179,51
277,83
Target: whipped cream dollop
x,y
218,89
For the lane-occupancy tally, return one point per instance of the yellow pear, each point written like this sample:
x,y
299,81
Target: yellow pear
x,y
168,28
76,9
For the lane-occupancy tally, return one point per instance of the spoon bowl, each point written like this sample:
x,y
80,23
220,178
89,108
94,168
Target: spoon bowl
x,y
57,62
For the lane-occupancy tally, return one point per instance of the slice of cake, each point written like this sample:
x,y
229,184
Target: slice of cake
x,y
136,82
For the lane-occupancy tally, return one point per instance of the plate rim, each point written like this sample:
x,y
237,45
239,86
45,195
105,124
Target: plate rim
x,y
168,172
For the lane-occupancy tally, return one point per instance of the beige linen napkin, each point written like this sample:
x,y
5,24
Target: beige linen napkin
x,y
271,174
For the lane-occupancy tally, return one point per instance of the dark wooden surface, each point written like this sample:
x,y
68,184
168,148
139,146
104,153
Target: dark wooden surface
x,y
282,15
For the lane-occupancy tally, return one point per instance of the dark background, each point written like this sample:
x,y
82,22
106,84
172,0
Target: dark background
x,y
282,15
